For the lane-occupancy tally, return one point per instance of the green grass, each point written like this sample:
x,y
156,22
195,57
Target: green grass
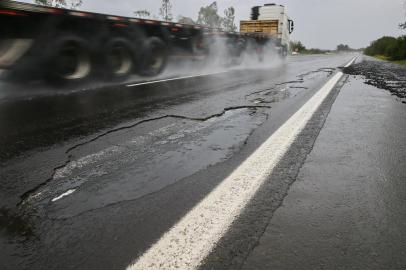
x,y
385,58
382,57
401,62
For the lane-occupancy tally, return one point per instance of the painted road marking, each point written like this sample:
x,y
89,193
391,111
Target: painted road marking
x,y
67,193
175,79
351,62
192,239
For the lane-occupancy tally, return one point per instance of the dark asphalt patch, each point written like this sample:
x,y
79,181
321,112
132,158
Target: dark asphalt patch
x,y
381,74
161,149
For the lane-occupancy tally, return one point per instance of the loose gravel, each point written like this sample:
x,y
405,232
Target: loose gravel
x,y
381,74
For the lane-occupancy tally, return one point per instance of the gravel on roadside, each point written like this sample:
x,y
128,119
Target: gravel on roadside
x,y
381,74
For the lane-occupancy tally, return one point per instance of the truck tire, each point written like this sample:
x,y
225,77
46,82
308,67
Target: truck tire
x,y
199,49
238,53
284,52
68,60
119,58
154,57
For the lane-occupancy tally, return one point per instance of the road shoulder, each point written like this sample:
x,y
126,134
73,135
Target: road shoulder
x,y
346,207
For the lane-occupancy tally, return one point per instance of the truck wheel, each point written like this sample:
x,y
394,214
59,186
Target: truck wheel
x,y
260,53
119,58
284,52
237,60
69,60
199,49
154,58
237,55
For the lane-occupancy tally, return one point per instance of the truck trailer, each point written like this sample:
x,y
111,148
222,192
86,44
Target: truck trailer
x,y
273,20
63,46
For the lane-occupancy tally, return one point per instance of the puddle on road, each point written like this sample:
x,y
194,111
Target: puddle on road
x,y
146,159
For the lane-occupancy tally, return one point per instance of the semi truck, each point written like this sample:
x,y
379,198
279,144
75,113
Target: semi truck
x,y
273,20
64,46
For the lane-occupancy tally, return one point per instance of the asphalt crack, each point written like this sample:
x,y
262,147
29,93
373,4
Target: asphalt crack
x,y
329,71
298,87
290,82
31,194
301,79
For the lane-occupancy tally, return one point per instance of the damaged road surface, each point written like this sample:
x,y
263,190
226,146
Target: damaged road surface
x,y
92,178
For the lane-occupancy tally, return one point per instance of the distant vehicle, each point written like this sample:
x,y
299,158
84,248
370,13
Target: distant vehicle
x,y
273,20
63,46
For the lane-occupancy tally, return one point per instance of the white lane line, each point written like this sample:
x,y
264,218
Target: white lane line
x,y
189,241
351,62
175,79
67,193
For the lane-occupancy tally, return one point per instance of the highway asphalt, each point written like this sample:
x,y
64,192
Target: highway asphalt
x,y
94,176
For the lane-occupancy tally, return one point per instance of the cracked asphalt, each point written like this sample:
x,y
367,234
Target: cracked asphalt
x,y
90,178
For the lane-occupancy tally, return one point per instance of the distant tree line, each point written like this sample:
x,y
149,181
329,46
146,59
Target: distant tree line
x,y
297,46
344,48
390,47
72,4
208,15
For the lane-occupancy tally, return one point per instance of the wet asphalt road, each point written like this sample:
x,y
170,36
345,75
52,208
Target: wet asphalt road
x,y
346,208
134,160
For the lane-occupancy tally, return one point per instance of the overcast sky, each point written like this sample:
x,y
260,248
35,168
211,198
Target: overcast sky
x,y
318,23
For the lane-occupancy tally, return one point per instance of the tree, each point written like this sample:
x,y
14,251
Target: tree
x,y
166,10
403,25
389,47
381,46
60,3
208,16
343,48
228,20
316,51
185,20
297,46
143,14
